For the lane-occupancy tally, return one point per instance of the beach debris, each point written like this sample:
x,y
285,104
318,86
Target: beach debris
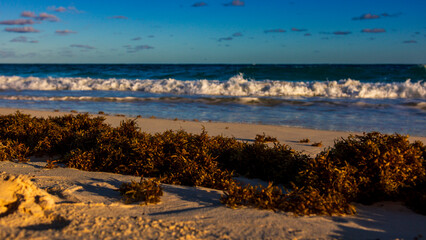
x,y
147,191
264,139
305,140
51,164
316,144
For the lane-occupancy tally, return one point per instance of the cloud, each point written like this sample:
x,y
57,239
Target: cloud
x,y
225,39
74,10
133,49
279,30
23,39
22,30
341,32
17,22
19,39
136,39
366,16
64,32
64,9
28,14
199,4
373,30
48,17
410,41
298,30
41,16
236,3
369,16
55,9
118,17
143,47
81,46
237,34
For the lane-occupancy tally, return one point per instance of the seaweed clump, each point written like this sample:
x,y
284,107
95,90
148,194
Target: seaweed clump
x,y
147,191
365,169
13,150
300,201
370,168
264,159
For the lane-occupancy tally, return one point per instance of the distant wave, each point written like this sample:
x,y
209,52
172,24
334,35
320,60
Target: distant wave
x,y
235,86
215,100
208,100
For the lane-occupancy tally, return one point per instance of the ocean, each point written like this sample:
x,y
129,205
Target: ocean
x,y
363,98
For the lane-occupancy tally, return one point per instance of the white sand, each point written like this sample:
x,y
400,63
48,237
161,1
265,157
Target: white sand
x,y
21,202
65,203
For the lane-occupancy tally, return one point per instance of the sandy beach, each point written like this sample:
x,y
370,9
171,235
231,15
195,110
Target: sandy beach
x,y
76,204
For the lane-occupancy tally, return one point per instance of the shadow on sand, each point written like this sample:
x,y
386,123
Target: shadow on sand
x,y
386,220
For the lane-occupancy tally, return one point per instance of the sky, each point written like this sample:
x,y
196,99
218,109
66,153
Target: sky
x,y
213,31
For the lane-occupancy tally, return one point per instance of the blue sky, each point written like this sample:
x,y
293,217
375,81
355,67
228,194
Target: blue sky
x,y
213,31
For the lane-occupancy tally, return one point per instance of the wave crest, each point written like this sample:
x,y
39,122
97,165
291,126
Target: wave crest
x,y
235,86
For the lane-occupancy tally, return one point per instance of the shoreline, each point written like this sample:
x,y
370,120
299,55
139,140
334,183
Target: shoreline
x,y
241,131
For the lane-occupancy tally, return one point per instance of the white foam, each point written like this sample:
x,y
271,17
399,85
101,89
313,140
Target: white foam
x,y
235,86
73,98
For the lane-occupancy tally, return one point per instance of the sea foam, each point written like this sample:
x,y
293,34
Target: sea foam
x,y
235,86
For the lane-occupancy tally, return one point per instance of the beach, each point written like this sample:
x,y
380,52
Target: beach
x,y
86,205
190,120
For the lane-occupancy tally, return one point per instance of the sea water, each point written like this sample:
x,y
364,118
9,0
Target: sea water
x,y
385,98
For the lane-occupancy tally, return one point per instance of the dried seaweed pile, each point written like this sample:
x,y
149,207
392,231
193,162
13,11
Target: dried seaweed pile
x,y
365,169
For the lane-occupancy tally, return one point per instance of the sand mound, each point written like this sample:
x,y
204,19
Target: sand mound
x,y
20,198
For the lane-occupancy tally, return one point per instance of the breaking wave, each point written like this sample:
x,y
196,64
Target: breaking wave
x,y
235,86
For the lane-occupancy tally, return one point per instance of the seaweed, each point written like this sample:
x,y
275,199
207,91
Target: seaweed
x,y
366,168
13,150
316,144
147,191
